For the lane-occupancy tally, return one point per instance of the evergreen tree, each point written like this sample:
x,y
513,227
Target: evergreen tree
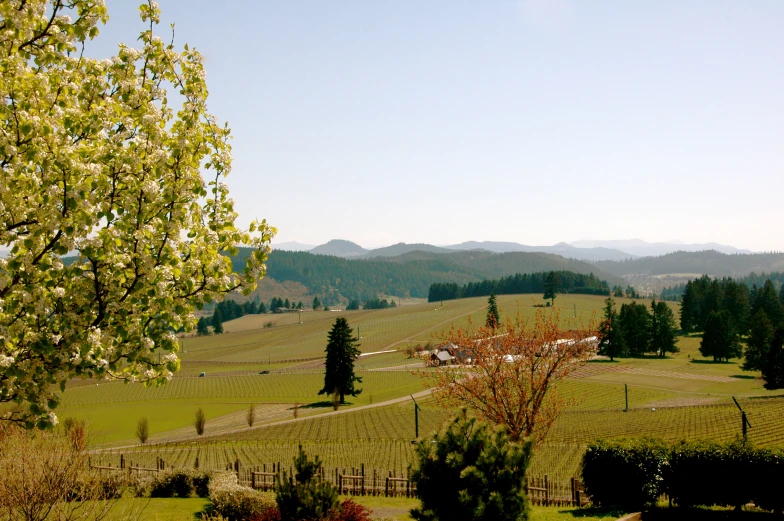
x,y
217,321
610,341
471,473
287,304
551,287
353,305
720,340
773,370
493,318
758,343
341,351
262,308
662,336
635,328
305,496
736,301
767,299
690,308
202,327
299,305
617,291
316,304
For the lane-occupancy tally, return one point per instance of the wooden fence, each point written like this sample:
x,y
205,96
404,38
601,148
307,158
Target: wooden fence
x,y
355,481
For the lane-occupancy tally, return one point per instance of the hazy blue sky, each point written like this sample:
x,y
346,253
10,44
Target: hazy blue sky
x,y
527,121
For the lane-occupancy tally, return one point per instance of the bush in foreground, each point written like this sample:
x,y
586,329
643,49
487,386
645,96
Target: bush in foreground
x,y
634,473
305,496
236,502
625,473
471,472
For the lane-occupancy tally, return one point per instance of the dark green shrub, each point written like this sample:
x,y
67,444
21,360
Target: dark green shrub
x,y
201,485
180,483
305,495
625,473
471,472
709,473
769,474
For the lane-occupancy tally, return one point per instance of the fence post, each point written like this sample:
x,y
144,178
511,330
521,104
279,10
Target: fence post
x,y
253,480
340,484
122,461
363,479
386,489
546,492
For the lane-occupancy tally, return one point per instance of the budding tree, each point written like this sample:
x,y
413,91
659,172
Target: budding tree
x,y
97,162
513,369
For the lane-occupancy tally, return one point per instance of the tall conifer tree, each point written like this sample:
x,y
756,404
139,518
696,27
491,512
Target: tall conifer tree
x,y
493,318
341,351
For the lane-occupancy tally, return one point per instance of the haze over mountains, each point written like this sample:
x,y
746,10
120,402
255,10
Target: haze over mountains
x,y
588,250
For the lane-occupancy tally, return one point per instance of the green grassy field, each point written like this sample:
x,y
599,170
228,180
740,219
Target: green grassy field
x,y
680,397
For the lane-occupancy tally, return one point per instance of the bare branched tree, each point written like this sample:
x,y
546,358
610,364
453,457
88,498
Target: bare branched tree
x,y
507,374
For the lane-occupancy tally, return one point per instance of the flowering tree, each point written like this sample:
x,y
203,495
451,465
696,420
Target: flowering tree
x,y
512,371
97,162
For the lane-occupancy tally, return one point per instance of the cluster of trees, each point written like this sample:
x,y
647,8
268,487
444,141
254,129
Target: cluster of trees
x,y
635,331
228,310
377,303
559,282
704,296
629,292
277,304
675,293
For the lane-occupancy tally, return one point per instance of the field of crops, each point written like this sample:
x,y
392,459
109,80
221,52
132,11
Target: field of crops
x,y
680,397
380,437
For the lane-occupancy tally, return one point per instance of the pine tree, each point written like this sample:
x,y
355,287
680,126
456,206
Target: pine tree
x,y
662,336
610,341
773,370
262,308
217,321
470,472
635,328
316,304
720,340
305,495
690,308
341,352
758,343
287,304
493,318
767,300
202,327
551,287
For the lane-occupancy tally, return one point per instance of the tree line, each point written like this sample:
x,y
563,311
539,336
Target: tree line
x,y
566,282
675,293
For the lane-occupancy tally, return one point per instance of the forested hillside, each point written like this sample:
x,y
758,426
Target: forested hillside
x,y
336,280
711,263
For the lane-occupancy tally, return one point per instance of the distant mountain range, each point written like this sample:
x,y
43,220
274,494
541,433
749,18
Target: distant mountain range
x,y
639,248
586,250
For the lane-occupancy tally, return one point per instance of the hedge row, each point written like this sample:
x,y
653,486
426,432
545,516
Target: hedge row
x,y
633,473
